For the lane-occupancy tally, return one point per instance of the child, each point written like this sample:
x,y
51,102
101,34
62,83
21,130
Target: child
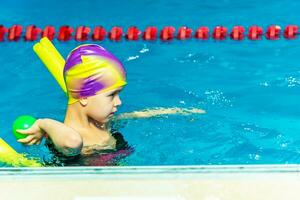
x,y
94,78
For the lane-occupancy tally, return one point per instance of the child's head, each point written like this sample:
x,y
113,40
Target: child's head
x,y
91,74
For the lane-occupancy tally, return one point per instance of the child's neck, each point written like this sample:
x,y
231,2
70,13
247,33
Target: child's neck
x,y
76,118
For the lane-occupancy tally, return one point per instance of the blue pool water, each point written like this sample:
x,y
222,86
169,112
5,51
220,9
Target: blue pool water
x,y
250,89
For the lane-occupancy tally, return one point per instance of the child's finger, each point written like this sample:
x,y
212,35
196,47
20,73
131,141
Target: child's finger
x,y
26,140
26,131
32,142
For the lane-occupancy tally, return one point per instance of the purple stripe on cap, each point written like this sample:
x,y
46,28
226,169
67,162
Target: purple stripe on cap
x,y
86,50
90,88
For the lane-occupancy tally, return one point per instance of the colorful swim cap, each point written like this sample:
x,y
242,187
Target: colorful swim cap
x,y
90,69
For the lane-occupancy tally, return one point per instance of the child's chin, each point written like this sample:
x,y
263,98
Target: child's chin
x,y
107,118
103,121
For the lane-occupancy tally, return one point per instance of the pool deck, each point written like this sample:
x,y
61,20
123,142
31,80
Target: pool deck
x,y
223,182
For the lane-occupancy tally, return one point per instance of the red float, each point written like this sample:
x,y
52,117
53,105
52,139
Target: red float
x,y
82,33
65,33
184,33
237,33
255,32
14,33
273,32
220,33
202,33
133,33
116,33
99,33
291,31
49,32
167,33
32,33
3,31
150,33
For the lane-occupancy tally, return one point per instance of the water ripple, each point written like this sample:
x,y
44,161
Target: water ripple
x,y
200,58
217,97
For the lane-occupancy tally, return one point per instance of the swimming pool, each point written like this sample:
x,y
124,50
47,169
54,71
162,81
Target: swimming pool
x,y
250,89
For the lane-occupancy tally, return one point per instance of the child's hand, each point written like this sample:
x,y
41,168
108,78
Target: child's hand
x,y
35,134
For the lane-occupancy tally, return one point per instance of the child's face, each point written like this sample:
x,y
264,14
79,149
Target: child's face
x,y
102,107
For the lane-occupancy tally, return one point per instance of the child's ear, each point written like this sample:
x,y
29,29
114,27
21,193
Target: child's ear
x,y
83,101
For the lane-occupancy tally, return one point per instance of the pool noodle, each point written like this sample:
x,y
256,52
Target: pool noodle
x,y
9,156
52,59
54,63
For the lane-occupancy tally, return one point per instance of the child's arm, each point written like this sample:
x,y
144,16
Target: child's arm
x,y
159,111
65,139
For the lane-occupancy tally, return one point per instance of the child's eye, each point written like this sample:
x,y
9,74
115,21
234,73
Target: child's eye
x,y
113,94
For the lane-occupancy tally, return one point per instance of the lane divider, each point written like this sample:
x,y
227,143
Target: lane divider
x,y
133,33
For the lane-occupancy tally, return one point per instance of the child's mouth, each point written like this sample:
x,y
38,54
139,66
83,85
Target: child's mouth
x,y
111,114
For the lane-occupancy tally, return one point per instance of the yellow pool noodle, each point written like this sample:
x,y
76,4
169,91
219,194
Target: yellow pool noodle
x,y
51,48
52,60
54,63
9,156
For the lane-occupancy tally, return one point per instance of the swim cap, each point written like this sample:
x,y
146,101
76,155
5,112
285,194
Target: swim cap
x,y
90,69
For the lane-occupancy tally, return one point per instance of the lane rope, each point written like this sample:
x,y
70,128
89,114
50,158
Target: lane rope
x,y
151,33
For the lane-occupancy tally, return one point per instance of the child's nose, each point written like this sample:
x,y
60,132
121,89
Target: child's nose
x,y
118,101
